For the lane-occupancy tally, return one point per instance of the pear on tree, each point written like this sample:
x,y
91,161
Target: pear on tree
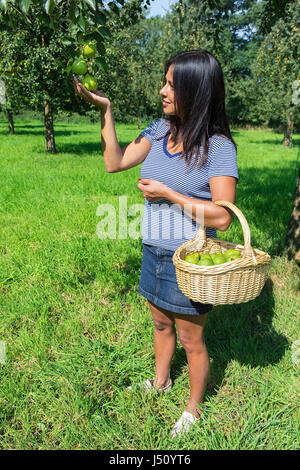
x,y
83,66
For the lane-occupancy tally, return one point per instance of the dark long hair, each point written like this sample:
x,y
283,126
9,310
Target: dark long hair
x,y
199,95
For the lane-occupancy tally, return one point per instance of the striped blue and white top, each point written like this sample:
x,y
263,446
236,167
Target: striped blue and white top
x,y
166,224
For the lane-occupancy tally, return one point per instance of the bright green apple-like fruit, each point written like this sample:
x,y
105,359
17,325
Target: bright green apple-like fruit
x,y
192,258
89,50
89,82
232,257
79,67
230,252
206,256
219,259
205,262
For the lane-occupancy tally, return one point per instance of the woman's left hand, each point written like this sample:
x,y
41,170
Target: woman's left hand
x,y
152,190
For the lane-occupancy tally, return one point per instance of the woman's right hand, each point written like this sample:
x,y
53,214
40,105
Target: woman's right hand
x,y
96,98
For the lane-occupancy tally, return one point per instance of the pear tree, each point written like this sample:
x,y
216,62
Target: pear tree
x,y
56,32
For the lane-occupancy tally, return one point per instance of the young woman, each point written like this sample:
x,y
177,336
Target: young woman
x,y
189,161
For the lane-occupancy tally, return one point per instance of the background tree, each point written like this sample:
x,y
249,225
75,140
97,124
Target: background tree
x,y
281,22
274,72
54,31
135,58
229,30
10,74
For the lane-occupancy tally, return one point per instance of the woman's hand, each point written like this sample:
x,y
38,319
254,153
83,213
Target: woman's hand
x,y
96,98
153,190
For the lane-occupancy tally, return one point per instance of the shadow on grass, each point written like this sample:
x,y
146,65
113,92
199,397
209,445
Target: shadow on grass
x,y
276,141
241,332
40,131
235,133
266,200
84,147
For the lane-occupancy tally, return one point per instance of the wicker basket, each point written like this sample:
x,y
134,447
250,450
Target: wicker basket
x,y
234,282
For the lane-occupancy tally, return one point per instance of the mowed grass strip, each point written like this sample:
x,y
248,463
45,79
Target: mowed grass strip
x,y
77,332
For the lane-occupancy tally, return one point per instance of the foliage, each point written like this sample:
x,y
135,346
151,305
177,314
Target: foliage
x,y
134,74
273,10
40,39
269,93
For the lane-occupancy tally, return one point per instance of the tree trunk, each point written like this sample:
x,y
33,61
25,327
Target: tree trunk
x,y
139,118
10,118
287,142
48,126
293,233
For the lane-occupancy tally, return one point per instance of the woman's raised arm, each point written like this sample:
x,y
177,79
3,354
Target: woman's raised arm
x,y
115,158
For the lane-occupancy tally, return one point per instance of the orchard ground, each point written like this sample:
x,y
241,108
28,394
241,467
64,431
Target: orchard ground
x,y
75,332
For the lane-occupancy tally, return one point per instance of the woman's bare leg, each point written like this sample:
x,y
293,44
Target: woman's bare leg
x,y
190,329
164,343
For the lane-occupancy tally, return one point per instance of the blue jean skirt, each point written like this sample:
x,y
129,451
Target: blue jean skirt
x,y
159,285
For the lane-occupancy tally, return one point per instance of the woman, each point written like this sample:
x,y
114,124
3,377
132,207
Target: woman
x,y
189,161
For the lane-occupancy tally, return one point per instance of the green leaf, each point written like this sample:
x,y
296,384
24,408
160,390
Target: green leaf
x,y
69,67
49,6
105,33
3,4
114,8
81,23
24,5
91,3
101,63
79,37
73,12
67,41
101,19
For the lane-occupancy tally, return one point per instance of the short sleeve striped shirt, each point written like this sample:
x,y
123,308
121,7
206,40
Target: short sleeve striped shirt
x,y
165,224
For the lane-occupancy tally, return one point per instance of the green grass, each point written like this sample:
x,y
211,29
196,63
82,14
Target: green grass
x,y
77,332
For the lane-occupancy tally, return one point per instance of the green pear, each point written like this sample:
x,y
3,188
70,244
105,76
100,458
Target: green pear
x,y
89,50
192,258
79,67
89,83
232,257
205,262
219,258
213,255
205,255
230,252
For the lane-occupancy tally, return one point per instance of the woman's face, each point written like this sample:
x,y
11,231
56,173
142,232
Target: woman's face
x,y
167,92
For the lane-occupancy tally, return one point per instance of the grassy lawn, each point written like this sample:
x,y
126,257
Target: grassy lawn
x,y
77,332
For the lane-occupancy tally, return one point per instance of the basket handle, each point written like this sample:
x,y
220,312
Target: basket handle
x,y
248,250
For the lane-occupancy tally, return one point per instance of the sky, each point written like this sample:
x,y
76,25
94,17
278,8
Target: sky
x,y
160,7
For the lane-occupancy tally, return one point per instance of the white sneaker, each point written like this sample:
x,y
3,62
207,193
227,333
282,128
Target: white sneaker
x,y
148,386
184,424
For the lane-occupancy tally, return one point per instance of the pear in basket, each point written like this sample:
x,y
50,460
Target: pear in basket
x,y
206,255
213,255
230,255
219,258
205,261
192,258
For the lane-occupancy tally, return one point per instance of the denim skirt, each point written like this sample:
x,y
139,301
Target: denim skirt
x,y
159,285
